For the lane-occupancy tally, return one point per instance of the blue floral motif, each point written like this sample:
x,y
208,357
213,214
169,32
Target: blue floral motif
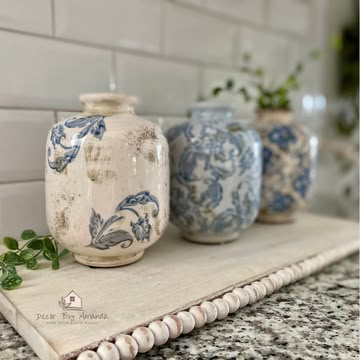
x,y
141,228
95,125
103,236
267,156
209,159
57,134
282,136
302,183
281,202
287,170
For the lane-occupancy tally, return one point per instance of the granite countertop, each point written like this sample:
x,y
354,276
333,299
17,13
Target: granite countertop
x,y
316,318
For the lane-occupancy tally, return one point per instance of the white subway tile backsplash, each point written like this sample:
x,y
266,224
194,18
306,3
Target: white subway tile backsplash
x,y
128,23
250,10
193,35
164,87
22,149
291,15
41,73
30,15
267,50
22,206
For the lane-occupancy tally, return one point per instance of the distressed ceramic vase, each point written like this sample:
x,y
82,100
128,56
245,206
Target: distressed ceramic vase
x,y
289,156
215,167
107,182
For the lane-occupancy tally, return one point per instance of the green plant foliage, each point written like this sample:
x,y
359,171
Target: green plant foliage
x,y
274,97
27,252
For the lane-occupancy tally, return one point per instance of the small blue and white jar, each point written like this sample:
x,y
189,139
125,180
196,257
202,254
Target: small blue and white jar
x,y
289,159
215,167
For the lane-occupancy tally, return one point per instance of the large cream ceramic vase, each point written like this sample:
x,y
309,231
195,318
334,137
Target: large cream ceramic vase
x,y
107,182
289,157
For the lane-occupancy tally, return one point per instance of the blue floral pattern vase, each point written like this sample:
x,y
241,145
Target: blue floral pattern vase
x,y
289,158
215,167
107,182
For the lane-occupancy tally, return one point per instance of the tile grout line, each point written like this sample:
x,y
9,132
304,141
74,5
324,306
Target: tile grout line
x,y
53,18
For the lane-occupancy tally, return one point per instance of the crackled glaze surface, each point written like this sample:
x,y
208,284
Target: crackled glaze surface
x,y
215,177
316,318
107,184
289,158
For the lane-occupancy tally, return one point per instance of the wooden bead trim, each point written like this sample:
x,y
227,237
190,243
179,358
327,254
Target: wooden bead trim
x,y
171,326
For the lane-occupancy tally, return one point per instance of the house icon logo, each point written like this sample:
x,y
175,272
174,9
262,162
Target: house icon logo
x,y
71,301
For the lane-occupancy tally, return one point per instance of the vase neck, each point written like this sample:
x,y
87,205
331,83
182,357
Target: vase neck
x,y
107,104
211,113
275,116
106,109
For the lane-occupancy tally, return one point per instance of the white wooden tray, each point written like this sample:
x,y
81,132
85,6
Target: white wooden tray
x,y
173,275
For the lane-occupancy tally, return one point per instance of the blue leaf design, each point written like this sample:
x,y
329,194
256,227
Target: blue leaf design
x,y
96,222
112,239
142,198
80,122
93,124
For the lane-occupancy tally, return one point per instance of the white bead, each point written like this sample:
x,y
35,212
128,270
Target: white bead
x,y
242,295
269,285
291,273
160,332
233,301
199,315
222,308
144,337
88,355
211,311
253,293
260,287
285,277
127,346
108,351
174,324
187,320
298,271
278,281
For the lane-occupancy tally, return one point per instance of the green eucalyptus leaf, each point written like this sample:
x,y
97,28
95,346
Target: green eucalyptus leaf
x,y
63,253
11,269
55,264
216,91
49,246
230,84
36,244
2,257
27,254
11,282
32,264
48,255
28,234
13,259
11,243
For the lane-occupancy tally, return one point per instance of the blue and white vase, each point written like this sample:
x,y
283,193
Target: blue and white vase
x,y
107,182
289,157
215,167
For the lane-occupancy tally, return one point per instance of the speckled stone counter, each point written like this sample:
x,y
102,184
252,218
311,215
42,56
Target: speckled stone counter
x,y
316,318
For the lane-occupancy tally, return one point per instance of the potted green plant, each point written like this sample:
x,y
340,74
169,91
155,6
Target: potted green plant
x,y
289,149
